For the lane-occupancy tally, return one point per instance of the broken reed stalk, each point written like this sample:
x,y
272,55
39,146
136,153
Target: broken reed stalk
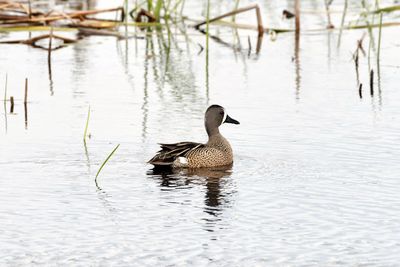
x,y
371,82
104,163
259,21
360,44
86,126
297,15
356,56
26,91
360,90
12,104
260,27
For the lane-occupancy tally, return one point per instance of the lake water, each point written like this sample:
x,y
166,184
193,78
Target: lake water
x,y
315,180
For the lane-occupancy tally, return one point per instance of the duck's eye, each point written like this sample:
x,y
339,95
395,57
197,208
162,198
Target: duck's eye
x,y
221,112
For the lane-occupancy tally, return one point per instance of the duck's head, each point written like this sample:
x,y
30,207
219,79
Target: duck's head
x,y
215,116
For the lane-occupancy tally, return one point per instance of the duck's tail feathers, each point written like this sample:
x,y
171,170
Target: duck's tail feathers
x,y
169,152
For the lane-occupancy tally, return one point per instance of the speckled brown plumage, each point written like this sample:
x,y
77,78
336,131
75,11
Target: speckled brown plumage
x,y
216,152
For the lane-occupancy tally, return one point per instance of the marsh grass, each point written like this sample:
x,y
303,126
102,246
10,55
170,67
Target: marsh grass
x,y
388,9
157,9
207,26
104,162
86,126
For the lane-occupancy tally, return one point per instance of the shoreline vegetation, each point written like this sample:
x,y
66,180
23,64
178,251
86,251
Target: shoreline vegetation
x,y
15,16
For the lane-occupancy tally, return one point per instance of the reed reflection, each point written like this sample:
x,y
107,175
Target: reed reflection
x,y
26,115
51,83
5,104
169,73
297,64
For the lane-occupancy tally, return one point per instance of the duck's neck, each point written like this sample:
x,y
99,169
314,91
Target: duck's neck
x,y
215,137
212,131
218,141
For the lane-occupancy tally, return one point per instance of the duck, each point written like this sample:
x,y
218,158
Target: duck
x,y
215,153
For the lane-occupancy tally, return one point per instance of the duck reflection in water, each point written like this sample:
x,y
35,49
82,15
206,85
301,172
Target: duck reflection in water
x,y
217,187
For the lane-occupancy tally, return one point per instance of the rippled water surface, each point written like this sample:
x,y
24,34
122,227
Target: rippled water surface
x,y
315,180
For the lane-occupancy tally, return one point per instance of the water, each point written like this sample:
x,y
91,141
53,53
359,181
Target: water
x,y
315,178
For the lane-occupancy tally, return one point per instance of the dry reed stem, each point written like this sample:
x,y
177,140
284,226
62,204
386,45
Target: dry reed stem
x,y
260,27
77,14
297,15
10,5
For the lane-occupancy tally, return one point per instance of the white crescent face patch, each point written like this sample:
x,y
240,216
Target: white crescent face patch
x,y
224,118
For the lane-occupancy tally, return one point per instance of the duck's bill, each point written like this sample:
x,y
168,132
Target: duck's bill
x,y
230,120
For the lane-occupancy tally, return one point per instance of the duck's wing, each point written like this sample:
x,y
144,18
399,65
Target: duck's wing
x,y
169,152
